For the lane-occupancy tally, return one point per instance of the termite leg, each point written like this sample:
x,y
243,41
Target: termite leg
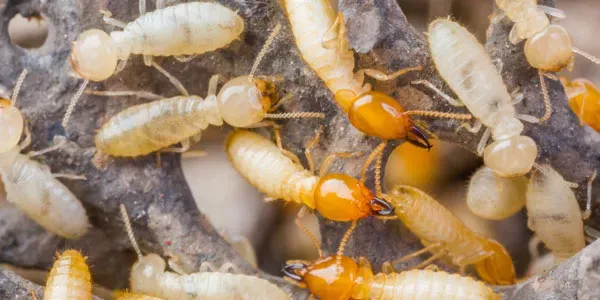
x,y
229,267
48,149
497,16
553,11
173,263
281,101
185,146
138,94
329,39
33,296
483,142
330,158
387,268
431,259
533,245
171,78
381,76
343,242
289,154
27,141
69,176
530,118
306,231
588,206
213,83
369,160
108,19
472,129
516,98
121,65
308,147
208,267
452,101
185,58
591,233
416,253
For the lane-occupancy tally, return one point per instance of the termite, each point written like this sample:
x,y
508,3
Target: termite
x,y
244,101
549,47
447,237
184,29
336,196
494,197
554,214
149,277
133,296
357,281
29,184
463,63
584,100
314,25
69,279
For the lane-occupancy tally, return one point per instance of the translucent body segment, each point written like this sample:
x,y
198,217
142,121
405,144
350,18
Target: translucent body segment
x,y
550,50
467,68
511,157
69,278
146,128
94,55
33,189
241,102
584,100
269,170
12,126
340,197
495,197
377,114
182,29
526,15
310,21
554,214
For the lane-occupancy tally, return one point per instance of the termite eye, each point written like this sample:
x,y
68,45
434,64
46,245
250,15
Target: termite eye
x,y
550,49
381,207
94,55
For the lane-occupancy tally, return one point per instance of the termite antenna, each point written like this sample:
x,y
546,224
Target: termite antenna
x,y
73,103
343,242
587,55
263,51
378,163
588,206
438,114
129,230
546,96
17,87
296,115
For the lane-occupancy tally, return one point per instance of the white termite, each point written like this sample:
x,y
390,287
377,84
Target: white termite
x,y
149,277
495,197
30,185
463,63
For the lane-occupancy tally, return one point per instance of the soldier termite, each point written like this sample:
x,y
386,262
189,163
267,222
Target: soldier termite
x,y
320,36
244,101
149,277
549,47
446,236
494,197
357,281
335,196
584,100
30,185
554,214
463,63
69,279
183,29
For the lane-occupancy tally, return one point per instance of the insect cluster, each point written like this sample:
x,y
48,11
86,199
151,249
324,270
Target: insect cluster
x,y
509,180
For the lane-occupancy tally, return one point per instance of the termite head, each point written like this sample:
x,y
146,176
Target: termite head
x,y
146,272
243,102
511,157
343,198
94,55
324,277
497,268
550,50
11,125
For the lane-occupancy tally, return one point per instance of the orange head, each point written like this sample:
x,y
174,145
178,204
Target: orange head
x,y
584,100
497,268
340,197
379,115
323,278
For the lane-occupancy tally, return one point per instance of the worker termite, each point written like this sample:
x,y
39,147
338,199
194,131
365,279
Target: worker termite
x,y
463,63
495,197
149,277
446,236
584,100
183,29
244,101
549,47
69,279
372,113
554,214
357,281
335,196
30,185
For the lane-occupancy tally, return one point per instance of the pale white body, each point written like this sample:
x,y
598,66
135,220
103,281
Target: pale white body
x,y
554,214
528,17
494,197
182,29
310,20
148,276
69,278
34,190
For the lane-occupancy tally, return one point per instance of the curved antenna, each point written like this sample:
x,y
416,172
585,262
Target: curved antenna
x,y
129,230
73,103
17,87
340,252
547,104
263,51
587,55
588,206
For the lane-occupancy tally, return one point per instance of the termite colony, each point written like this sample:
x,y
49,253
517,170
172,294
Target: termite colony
x,y
460,263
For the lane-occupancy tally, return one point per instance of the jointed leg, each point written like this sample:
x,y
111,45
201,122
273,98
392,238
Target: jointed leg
x,y
416,253
553,11
308,147
138,94
107,18
446,97
483,142
472,129
387,268
229,267
328,42
381,76
306,231
588,206
328,160
171,78
69,176
213,83
208,267
46,150
428,261
185,58
281,101
27,141
286,152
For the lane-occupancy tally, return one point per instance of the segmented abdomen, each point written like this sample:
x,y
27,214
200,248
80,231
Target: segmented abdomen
x,y
183,29
149,127
33,189
213,285
69,278
310,20
425,284
528,18
462,61
268,169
